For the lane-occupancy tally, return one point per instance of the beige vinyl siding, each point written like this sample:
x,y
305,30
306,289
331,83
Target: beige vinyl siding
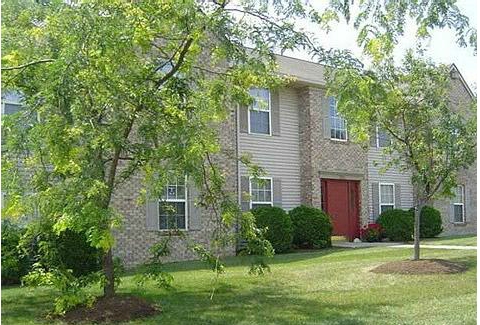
x,y
392,175
279,155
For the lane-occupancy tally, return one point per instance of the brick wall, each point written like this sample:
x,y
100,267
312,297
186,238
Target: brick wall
x,y
133,240
326,158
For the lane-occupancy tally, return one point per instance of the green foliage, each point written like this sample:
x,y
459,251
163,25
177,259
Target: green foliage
x,y
278,225
397,224
67,250
312,227
71,289
15,264
430,222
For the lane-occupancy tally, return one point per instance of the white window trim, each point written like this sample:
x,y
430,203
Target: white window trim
x,y
377,137
463,207
250,191
176,200
9,102
346,128
380,196
269,116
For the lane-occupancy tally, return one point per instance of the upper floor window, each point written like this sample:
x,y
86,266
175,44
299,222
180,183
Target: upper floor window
x,y
261,192
383,138
11,108
173,205
338,125
387,197
259,120
459,205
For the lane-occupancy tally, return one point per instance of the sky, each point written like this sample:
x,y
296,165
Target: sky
x,y
441,47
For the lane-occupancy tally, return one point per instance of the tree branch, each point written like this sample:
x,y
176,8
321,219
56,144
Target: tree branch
x,y
26,65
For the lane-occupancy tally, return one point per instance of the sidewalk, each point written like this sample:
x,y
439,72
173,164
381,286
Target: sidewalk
x,y
346,244
438,247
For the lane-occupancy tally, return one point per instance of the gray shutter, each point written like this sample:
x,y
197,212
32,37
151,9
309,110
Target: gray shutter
x,y
451,212
275,111
277,192
373,138
375,200
153,222
194,211
325,117
245,192
398,196
243,118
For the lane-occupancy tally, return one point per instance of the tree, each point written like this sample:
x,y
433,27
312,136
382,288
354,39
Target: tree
x,y
120,88
431,136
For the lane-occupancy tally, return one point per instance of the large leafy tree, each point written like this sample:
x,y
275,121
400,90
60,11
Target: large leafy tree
x,y
124,87
432,137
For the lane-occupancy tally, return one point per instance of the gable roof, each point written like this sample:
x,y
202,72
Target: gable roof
x,y
455,74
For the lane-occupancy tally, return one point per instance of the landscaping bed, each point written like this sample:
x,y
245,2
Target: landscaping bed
x,y
423,266
113,309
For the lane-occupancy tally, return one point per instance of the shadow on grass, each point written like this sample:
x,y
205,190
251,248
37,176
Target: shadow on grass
x,y
262,305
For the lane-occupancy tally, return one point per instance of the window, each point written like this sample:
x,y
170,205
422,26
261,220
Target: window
x,y
261,192
259,111
387,197
459,205
11,108
338,125
383,139
173,205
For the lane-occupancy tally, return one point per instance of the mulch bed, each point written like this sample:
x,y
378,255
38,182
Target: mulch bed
x,y
426,266
114,309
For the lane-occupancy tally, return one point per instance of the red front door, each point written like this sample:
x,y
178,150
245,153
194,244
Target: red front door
x,y
340,199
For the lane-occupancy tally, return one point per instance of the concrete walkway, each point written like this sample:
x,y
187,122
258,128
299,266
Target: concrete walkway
x,y
346,244
439,247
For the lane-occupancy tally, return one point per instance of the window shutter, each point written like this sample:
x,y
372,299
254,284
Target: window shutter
x,y
245,192
152,213
451,212
326,118
373,139
194,212
398,196
243,118
277,192
375,200
275,111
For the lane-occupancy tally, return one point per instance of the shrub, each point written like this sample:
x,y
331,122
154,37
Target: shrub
x,y
371,233
278,224
430,222
14,263
68,250
311,227
397,224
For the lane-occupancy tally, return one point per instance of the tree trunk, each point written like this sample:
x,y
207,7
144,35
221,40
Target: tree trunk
x,y
416,230
109,287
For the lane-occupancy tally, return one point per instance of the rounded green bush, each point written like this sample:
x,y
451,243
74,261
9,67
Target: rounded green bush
x,y
430,222
312,227
278,224
397,224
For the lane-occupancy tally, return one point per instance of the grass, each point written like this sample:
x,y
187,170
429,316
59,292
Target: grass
x,y
332,286
463,240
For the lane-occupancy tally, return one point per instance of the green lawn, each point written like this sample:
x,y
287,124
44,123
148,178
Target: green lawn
x,y
332,286
464,240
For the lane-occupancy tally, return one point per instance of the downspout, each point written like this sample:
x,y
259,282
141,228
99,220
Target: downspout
x,y
237,156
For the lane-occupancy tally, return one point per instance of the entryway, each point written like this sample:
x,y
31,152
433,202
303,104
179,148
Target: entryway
x,y
341,200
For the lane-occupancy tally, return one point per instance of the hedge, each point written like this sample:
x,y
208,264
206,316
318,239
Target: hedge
x,y
312,227
278,224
